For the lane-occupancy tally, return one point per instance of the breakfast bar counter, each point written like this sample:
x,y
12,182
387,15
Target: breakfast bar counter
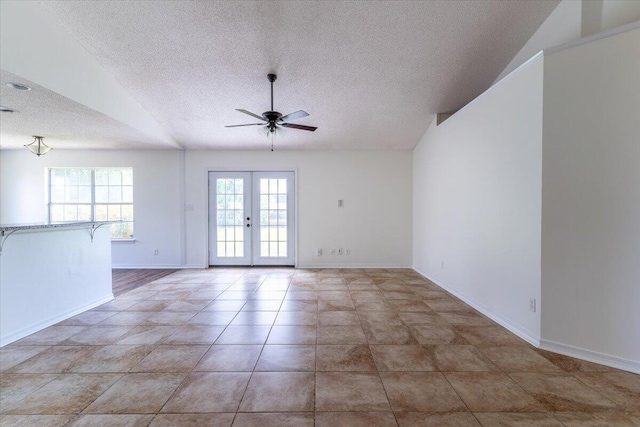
x,y
50,272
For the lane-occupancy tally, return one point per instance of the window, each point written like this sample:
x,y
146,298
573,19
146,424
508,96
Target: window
x,y
100,194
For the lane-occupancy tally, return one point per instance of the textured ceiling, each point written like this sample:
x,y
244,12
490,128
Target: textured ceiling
x,y
371,74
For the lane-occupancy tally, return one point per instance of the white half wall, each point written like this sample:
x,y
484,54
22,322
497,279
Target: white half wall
x,y
591,201
477,201
157,187
375,222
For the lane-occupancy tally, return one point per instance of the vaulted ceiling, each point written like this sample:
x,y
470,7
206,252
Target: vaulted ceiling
x,y
170,74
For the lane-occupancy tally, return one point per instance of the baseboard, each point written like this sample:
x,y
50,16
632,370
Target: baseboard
x,y
499,319
156,266
389,266
8,339
591,356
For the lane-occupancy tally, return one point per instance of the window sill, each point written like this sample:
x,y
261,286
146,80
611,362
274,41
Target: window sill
x,y
132,240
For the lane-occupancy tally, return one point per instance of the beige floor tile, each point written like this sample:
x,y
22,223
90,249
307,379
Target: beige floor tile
x,y
99,335
569,364
282,358
265,318
492,392
518,358
296,318
338,318
507,419
15,387
208,392
562,392
87,318
56,359
150,305
355,419
402,358
213,318
244,335
621,387
225,305
171,358
12,355
380,318
302,295
229,358
352,334
279,392
344,358
381,334
262,305
421,318
350,391
193,420
66,394
104,420
598,419
410,306
353,340
460,358
420,392
136,394
196,334
336,305
292,335
437,335
126,318
51,336
490,335
274,420
299,305
112,358
431,419
147,335
34,420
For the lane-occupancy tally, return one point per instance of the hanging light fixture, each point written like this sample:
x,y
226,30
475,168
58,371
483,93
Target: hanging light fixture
x,y
38,147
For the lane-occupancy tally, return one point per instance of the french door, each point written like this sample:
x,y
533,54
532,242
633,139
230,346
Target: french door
x,y
251,218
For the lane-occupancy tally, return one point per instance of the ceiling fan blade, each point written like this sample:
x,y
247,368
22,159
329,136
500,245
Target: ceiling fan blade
x,y
302,127
293,116
251,114
249,124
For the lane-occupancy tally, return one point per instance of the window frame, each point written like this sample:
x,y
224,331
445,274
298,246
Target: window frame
x,y
93,202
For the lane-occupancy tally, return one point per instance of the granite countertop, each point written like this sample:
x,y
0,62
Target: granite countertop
x,y
45,225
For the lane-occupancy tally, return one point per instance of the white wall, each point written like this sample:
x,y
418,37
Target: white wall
x,y
157,186
375,222
563,25
573,19
376,186
477,195
591,201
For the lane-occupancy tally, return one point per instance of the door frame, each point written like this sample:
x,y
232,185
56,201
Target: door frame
x,y
245,169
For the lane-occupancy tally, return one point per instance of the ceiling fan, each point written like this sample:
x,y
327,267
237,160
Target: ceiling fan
x,y
273,120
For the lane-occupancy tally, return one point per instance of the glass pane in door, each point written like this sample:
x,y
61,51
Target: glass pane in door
x,y
229,217
273,218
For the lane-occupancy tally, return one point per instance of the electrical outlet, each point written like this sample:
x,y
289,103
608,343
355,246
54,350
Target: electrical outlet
x,y
156,251
339,251
532,305
347,251
318,252
333,251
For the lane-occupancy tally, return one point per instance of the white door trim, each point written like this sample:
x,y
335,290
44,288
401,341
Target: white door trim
x,y
208,169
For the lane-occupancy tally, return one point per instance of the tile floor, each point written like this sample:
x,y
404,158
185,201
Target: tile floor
x,y
285,347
